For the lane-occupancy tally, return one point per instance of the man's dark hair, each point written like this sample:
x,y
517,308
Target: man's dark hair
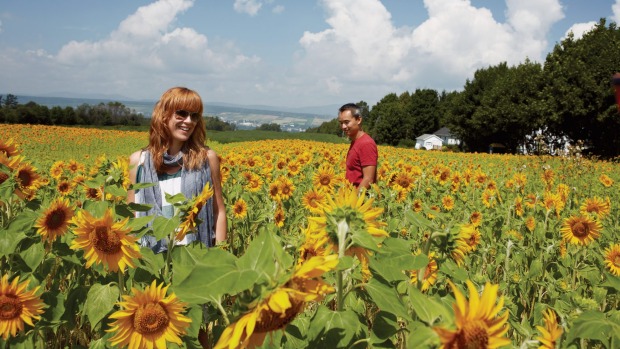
x,y
353,108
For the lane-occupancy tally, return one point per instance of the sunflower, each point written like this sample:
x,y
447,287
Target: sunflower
x,y
9,148
489,198
240,208
314,245
28,180
475,218
429,276
551,331
93,193
519,206
530,223
104,241
57,169
11,163
313,200
478,322
74,166
403,181
149,319
293,168
274,191
324,178
612,259
360,216
417,205
279,216
64,187
287,187
531,200
347,205
580,230
458,242
447,202
54,221
548,177
189,221
606,181
17,306
254,184
596,206
520,179
281,305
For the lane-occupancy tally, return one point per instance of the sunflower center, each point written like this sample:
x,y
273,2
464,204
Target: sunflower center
x,y
55,219
325,180
616,260
150,318
580,230
10,307
473,335
24,178
270,321
105,240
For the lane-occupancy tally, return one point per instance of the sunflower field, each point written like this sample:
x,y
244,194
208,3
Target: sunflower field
x,y
446,250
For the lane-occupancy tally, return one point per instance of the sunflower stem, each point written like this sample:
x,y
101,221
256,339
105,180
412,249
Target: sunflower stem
x,y
121,284
223,311
343,228
507,259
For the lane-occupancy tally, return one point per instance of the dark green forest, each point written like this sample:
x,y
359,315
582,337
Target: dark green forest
x,y
527,107
102,114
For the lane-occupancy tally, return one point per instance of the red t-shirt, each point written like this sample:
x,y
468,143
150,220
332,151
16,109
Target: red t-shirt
x,y
362,152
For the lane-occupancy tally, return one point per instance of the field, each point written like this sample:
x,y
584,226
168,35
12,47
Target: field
x,y
447,249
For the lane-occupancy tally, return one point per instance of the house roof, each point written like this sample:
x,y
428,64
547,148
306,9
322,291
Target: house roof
x,y
444,131
427,136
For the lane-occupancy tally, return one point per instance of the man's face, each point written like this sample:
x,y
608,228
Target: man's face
x,y
349,124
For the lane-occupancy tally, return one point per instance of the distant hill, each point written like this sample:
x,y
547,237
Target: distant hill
x,y
244,116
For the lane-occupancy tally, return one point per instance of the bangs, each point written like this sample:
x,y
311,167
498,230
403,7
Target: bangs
x,y
184,101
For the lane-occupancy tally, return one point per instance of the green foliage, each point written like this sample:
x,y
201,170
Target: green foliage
x,y
579,98
270,127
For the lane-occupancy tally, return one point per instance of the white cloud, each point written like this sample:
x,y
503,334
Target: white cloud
x,y
278,9
250,7
616,10
363,47
145,55
0,26
578,29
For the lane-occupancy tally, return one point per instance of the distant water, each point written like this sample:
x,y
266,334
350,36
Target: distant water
x,y
140,107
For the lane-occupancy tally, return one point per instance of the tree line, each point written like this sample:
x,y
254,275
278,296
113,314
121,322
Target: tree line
x,y
102,114
567,99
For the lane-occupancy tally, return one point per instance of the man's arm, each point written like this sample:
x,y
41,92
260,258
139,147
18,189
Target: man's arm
x,y
368,177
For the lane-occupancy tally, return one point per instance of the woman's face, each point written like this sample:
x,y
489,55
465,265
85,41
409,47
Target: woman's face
x,y
181,125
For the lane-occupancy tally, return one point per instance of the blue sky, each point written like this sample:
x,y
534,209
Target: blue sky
x,y
274,52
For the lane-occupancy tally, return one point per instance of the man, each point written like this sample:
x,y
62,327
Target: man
x,y
361,165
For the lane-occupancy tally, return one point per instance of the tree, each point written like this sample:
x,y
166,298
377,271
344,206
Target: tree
x,y
500,105
270,127
423,116
579,98
10,101
387,117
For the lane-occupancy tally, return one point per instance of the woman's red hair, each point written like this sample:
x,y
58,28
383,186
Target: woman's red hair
x,y
177,98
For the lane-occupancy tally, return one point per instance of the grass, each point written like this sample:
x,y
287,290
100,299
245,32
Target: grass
x,y
225,137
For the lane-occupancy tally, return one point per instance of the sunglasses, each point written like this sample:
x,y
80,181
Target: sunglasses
x,y
183,114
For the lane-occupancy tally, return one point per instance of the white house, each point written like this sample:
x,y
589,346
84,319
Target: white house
x,y
428,141
446,136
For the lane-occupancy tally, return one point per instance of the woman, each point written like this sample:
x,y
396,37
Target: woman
x,y
178,161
